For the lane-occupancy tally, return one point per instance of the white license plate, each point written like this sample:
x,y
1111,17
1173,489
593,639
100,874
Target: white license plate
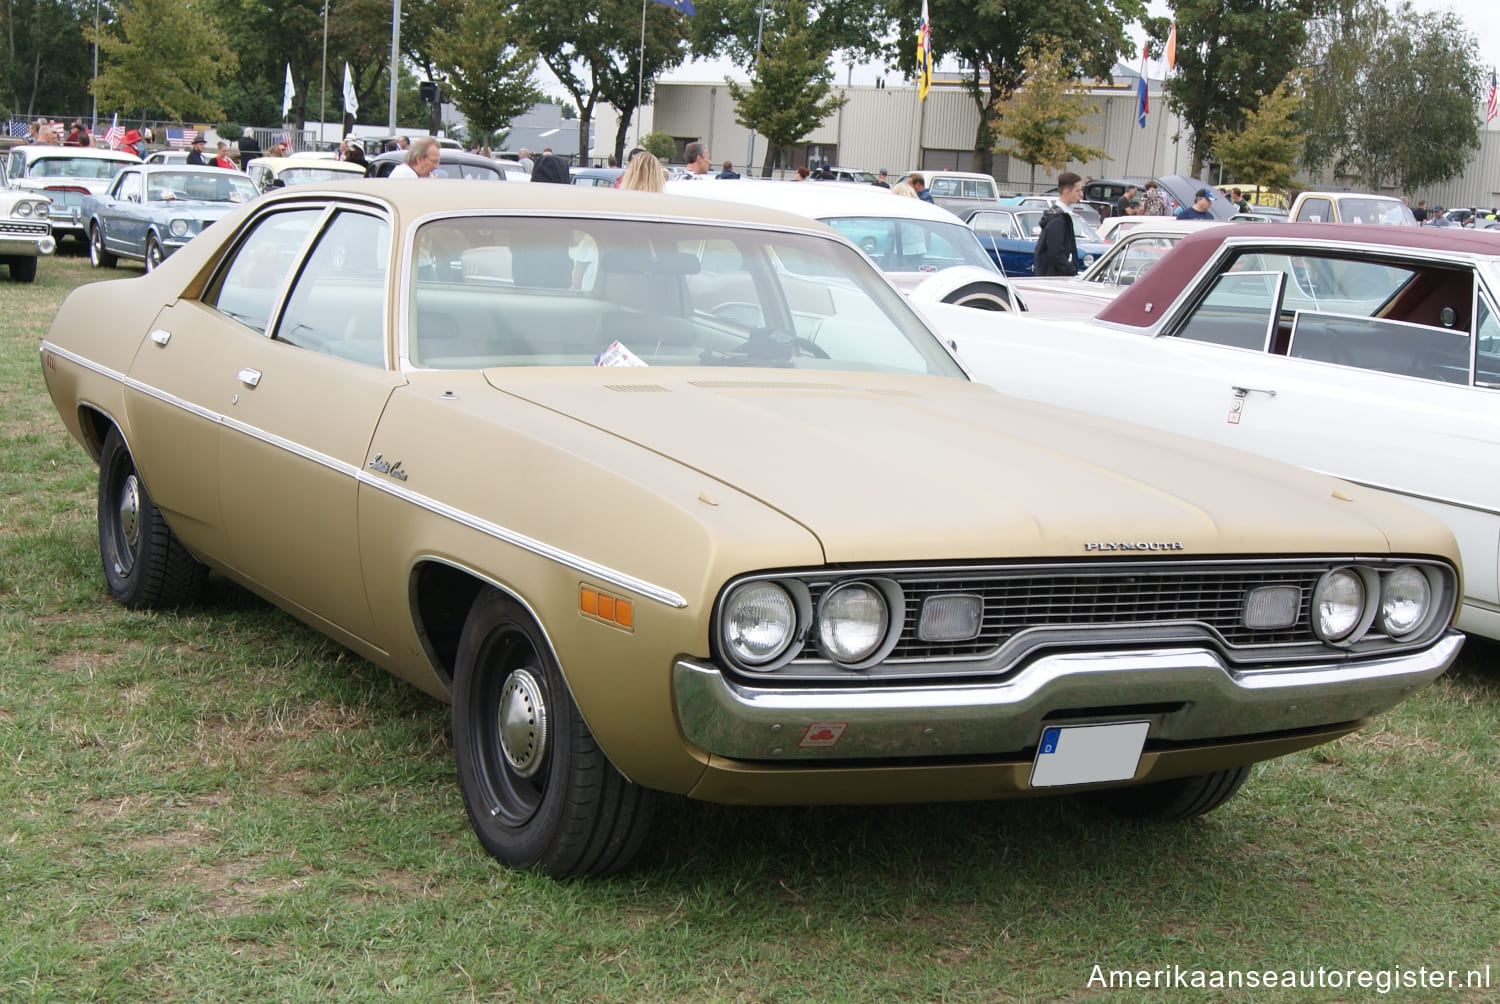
x,y
1088,754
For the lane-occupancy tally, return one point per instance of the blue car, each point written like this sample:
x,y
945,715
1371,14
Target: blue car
x,y
151,210
1009,235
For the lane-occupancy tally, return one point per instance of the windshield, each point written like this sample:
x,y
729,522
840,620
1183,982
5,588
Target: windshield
x,y
488,291
308,175
1367,210
221,186
1031,219
75,167
906,245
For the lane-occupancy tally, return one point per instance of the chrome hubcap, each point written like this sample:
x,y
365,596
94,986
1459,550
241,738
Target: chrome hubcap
x,y
130,520
523,723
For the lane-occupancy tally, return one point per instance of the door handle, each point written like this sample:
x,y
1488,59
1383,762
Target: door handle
x,y
249,377
160,336
1247,391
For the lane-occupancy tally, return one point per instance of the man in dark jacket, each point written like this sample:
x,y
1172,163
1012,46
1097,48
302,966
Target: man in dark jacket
x,y
195,155
1056,246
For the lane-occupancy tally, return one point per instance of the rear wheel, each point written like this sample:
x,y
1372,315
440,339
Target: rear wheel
x,y
539,792
154,253
1180,797
145,564
22,269
98,257
980,295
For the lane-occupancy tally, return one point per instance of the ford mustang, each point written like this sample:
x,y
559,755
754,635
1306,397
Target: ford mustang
x,y
671,496
152,210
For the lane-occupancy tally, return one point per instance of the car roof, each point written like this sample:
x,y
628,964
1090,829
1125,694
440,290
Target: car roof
x,y
414,197
446,155
278,164
818,200
1138,305
43,151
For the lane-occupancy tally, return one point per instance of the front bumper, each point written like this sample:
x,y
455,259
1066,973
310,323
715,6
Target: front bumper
x,y
1189,695
26,238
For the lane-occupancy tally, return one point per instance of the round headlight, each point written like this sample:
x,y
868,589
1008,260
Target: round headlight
x,y
178,228
1339,604
760,621
41,209
23,209
1405,600
852,622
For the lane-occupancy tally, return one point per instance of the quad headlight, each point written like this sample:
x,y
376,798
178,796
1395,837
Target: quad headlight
x,y
1339,604
23,209
759,622
1399,602
852,622
1405,601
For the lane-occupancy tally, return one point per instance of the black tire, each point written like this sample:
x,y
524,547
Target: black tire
x,y
145,564
154,254
539,792
1180,797
98,257
981,296
23,269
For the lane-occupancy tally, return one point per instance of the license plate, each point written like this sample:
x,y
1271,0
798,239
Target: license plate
x,y
1088,754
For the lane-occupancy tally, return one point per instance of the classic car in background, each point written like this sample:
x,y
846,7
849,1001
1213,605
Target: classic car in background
x,y
928,253
1370,353
1009,236
1350,207
589,177
279,172
65,175
1125,261
455,163
151,210
669,495
25,230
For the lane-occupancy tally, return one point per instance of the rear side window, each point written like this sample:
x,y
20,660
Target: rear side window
x,y
250,288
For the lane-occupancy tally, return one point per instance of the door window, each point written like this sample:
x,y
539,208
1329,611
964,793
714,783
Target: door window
x,y
1240,311
248,289
338,303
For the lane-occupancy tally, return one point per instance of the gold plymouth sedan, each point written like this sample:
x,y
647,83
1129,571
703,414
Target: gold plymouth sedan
x,y
803,559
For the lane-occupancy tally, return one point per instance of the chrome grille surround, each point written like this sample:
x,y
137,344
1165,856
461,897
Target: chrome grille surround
x,y
1041,607
37,229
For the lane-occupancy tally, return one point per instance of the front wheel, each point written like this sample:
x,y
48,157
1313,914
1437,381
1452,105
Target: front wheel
x,y
1179,797
145,564
23,269
154,253
98,257
539,792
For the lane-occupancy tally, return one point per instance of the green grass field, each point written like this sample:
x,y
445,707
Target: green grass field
x,y
219,804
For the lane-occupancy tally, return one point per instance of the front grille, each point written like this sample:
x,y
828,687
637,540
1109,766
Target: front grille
x,y
23,229
1077,606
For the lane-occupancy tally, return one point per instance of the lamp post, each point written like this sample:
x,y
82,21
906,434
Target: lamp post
x,y
94,121
759,30
395,58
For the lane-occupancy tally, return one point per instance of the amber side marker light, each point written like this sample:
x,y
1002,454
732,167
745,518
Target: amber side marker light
x,y
605,607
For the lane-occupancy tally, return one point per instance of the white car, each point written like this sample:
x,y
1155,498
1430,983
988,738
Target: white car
x,y
1369,353
1134,252
928,253
25,231
65,174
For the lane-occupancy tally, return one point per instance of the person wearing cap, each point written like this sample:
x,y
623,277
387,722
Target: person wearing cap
x,y
1438,217
1199,209
880,181
195,155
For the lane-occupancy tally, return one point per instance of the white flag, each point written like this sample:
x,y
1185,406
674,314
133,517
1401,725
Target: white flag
x,y
351,101
286,95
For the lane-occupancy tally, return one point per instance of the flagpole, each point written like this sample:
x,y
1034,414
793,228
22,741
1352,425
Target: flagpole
x,y
323,82
640,75
759,31
395,56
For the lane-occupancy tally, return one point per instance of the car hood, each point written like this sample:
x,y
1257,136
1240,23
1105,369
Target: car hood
x,y
915,468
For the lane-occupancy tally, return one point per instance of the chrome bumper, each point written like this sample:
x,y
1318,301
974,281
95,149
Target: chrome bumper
x,y
16,244
1188,695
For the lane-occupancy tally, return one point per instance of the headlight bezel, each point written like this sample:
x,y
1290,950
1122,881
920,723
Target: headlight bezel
x,y
179,228
801,606
1433,586
894,602
1369,584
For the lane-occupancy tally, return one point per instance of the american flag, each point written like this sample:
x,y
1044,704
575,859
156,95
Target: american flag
x,y
181,137
114,136
1492,106
16,128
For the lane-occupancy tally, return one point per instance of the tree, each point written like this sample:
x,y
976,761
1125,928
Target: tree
x,y
165,57
1393,94
47,55
489,78
1229,51
628,83
1039,118
1266,150
790,87
588,47
660,145
992,38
